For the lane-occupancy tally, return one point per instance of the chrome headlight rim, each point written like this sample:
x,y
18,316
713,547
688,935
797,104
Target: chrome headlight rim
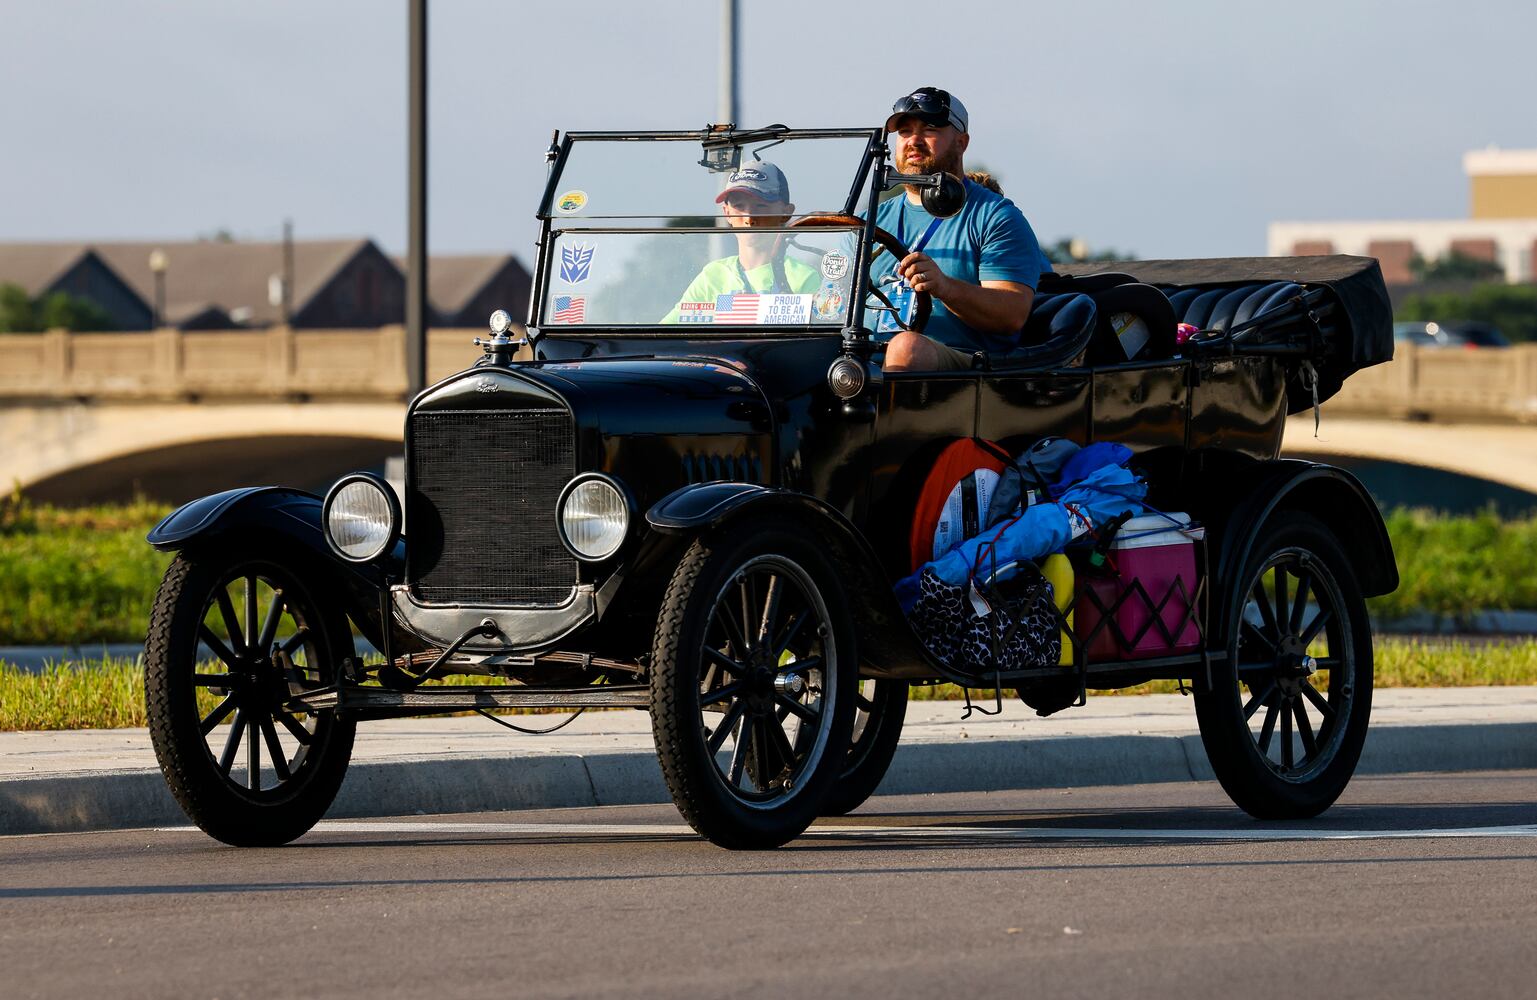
x,y
392,503
560,515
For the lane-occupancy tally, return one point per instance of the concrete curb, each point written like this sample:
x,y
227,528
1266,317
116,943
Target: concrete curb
x,y
82,801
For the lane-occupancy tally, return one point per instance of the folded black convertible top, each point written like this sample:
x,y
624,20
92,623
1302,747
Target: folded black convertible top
x,y
1356,334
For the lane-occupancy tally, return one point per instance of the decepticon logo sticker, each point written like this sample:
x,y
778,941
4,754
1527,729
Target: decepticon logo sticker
x,y
575,263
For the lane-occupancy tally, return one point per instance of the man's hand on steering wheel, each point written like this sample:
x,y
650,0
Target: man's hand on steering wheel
x,y
923,303
923,274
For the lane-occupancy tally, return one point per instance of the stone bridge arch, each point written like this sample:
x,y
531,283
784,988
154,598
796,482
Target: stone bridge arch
x,y
1500,453
88,452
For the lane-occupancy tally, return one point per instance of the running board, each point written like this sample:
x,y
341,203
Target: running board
x,y
372,702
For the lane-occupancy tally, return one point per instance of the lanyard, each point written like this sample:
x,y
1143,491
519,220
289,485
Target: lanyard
x,y
923,240
781,283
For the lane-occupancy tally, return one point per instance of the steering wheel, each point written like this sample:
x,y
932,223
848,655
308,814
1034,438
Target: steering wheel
x,y
923,302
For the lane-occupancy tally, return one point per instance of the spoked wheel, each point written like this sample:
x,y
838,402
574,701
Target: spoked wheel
x,y
752,686
880,708
232,640
1285,722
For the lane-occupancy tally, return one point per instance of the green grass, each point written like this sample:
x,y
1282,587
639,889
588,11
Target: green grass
x,y
77,577
109,693
1454,566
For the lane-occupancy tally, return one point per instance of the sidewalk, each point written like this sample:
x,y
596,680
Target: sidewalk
x,y
108,779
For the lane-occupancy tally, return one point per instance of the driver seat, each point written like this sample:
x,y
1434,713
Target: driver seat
x,y
1057,334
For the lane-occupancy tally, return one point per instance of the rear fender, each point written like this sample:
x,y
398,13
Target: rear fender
x,y
1332,495
887,645
289,521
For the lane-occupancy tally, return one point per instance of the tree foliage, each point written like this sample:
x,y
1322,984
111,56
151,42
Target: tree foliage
x,y
56,310
1062,252
1454,266
1512,308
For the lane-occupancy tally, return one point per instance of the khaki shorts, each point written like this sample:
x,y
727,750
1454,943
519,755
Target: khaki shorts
x,y
951,359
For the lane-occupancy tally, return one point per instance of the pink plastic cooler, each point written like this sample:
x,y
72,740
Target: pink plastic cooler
x,y
1162,558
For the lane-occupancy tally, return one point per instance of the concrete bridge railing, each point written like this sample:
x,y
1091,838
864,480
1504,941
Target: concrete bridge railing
x,y
1446,383
276,363
280,363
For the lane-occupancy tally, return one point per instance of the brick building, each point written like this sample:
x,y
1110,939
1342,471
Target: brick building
x,y
41,269
1501,229
464,290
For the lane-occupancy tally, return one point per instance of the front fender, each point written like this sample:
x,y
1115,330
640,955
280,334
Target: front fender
x,y
1245,501
887,645
287,520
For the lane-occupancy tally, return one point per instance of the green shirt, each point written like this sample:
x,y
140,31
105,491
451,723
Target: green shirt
x,y
724,276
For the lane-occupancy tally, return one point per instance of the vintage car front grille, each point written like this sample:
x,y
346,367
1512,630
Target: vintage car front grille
x,y
480,507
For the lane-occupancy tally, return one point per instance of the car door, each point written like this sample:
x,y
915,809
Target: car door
x,y
917,415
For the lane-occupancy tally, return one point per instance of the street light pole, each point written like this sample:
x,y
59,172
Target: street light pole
x,y
727,109
416,251
158,264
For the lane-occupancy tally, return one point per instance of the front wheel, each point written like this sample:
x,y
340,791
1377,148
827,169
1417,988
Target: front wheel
x,y
233,638
1285,720
752,686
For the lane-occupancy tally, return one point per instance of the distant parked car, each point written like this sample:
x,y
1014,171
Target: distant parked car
x,y
1425,335
1476,334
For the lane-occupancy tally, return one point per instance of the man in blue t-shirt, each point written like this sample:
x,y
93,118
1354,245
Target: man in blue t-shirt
x,y
981,265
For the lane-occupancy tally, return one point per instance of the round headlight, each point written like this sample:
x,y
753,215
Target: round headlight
x,y
362,517
594,516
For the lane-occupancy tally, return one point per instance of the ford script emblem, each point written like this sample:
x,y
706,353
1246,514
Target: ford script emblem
x,y
486,385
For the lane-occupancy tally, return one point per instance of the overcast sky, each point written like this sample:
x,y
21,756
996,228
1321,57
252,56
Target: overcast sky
x,y
1168,129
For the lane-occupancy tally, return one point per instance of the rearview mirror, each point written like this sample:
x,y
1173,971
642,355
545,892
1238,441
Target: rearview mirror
x,y
943,194
945,199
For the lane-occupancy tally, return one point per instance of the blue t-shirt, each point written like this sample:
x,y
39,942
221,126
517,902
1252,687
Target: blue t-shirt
x,y
988,240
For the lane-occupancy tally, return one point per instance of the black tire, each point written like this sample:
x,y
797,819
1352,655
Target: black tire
x,y
277,639
706,666
1300,646
880,708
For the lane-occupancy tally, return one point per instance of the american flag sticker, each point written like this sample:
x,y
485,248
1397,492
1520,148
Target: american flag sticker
x,y
696,312
570,308
738,307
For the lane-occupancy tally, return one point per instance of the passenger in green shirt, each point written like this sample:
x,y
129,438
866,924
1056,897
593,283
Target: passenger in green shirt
x,y
757,196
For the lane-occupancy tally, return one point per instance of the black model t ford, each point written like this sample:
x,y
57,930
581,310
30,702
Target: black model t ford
x,y
698,507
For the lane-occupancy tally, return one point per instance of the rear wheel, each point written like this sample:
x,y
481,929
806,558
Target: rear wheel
x,y
752,686
880,709
1285,721
232,639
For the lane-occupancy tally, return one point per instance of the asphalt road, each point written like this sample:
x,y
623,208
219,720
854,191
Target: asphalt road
x,y
1412,886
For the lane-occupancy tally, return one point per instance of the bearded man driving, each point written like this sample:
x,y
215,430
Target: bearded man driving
x,y
981,265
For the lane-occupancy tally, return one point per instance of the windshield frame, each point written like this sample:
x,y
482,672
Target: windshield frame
x,y
866,179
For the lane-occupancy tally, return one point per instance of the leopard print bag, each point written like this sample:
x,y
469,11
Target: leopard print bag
x,y
1020,631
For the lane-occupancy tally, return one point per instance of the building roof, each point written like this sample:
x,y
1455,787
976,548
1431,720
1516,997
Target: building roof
x,y
35,266
1493,162
452,281
233,275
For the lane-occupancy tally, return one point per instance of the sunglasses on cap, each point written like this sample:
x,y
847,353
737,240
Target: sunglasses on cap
x,y
930,105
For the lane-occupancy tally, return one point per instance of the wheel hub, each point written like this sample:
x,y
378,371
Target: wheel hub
x,y
1293,665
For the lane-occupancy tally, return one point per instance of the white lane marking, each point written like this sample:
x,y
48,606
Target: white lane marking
x,y
992,833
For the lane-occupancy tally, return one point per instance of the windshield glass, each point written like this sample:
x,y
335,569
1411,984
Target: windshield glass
x,y
752,276
704,230
680,177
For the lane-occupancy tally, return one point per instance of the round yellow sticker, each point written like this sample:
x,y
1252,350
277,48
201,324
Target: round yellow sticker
x,y
571,202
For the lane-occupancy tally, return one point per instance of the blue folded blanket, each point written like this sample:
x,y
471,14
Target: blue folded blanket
x,y
1094,487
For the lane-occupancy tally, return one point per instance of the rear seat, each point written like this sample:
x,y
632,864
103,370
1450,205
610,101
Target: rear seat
x,y
1217,310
